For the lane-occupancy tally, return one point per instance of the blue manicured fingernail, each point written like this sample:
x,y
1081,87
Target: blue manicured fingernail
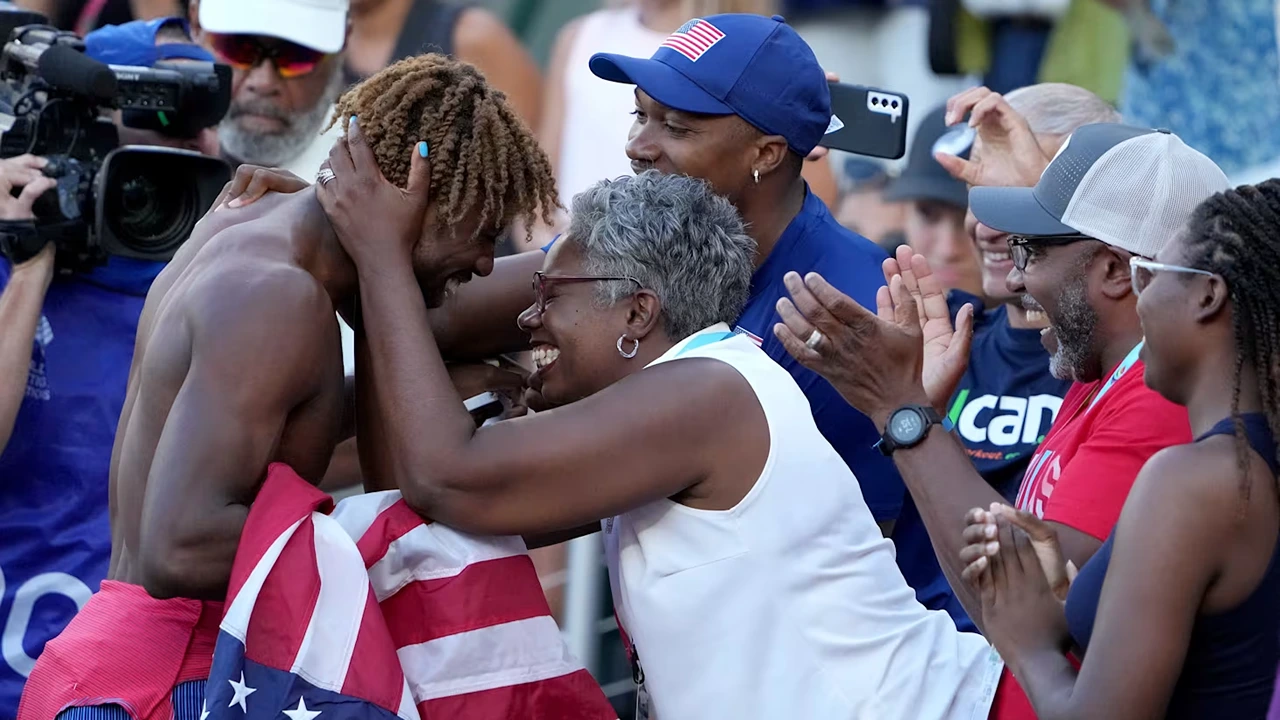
x,y
422,148
353,120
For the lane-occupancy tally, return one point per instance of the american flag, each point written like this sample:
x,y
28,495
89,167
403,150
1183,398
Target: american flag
x,y
373,612
759,341
694,38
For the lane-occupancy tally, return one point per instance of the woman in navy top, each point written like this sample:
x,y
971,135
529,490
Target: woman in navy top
x,y
1178,614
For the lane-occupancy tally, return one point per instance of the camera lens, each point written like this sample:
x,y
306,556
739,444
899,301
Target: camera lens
x,y
149,214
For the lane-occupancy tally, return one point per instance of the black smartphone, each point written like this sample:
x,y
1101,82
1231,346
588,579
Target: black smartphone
x,y
867,121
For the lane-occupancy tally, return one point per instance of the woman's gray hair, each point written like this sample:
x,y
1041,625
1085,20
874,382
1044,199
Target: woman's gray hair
x,y
676,237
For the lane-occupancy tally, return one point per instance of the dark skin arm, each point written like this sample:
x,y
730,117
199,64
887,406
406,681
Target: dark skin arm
x,y
225,426
877,362
508,478
1168,551
375,455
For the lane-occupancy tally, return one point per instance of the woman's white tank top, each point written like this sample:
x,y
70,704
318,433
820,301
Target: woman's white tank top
x,y
789,605
597,113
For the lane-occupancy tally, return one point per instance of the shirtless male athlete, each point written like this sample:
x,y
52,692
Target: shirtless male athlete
x,y
238,365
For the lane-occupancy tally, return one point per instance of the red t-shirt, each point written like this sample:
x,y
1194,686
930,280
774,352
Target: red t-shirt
x,y
1082,472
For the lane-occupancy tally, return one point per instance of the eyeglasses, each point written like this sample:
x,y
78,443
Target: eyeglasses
x,y
244,52
543,281
1142,272
1020,251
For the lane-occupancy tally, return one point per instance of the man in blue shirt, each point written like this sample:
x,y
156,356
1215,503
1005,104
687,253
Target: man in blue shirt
x,y
54,468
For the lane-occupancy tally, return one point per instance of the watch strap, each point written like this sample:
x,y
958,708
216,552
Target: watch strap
x,y
20,240
887,445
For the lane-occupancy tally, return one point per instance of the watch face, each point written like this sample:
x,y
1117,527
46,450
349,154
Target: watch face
x,y
906,426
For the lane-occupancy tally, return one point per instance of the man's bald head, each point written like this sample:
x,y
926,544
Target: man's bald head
x,y
1059,108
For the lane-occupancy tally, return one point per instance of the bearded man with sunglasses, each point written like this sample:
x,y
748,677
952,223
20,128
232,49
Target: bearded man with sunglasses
x,y
1112,193
286,58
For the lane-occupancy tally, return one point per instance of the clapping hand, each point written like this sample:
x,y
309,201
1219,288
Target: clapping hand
x,y
981,543
946,348
874,362
1010,155
1020,611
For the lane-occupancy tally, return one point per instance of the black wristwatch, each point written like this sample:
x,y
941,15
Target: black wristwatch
x,y
907,427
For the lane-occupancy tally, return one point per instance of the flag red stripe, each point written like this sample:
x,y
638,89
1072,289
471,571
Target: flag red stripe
x,y
707,37
484,594
688,49
390,525
677,48
707,32
707,29
370,676
284,498
286,602
575,695
699,42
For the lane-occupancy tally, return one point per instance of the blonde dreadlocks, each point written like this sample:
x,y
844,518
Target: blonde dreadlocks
x,y
482,156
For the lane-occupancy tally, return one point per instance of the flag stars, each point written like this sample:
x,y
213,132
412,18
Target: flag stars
x,y
242,692
301,712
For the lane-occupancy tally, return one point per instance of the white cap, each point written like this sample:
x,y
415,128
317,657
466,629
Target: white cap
x,y
1132,188
318,24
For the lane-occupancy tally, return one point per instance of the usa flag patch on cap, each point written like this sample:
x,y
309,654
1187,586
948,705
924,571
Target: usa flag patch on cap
x,y
694,38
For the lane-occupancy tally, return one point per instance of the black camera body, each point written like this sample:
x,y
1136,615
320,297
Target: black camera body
x,y
135,201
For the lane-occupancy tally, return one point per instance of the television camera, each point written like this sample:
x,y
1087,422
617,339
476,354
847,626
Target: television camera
x,y
135,201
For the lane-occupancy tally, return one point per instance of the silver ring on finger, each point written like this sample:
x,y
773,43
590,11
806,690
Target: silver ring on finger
x,y
815,338
325,175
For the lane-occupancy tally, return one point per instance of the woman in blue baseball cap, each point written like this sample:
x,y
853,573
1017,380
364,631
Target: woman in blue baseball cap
x,y
740,101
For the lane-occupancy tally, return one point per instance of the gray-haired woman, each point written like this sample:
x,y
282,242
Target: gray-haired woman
x,y
748,574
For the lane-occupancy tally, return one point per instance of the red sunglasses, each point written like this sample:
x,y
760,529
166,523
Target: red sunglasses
x,y
244,52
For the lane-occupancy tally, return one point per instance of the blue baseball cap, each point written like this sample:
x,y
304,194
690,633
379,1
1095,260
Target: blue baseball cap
x,y
751,66
134,43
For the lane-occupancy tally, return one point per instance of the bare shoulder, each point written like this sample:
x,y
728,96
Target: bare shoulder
x,y
479,29
704,390
1199,482
256,298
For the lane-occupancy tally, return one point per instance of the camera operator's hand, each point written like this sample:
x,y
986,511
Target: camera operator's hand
x,y
253,181
22,172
